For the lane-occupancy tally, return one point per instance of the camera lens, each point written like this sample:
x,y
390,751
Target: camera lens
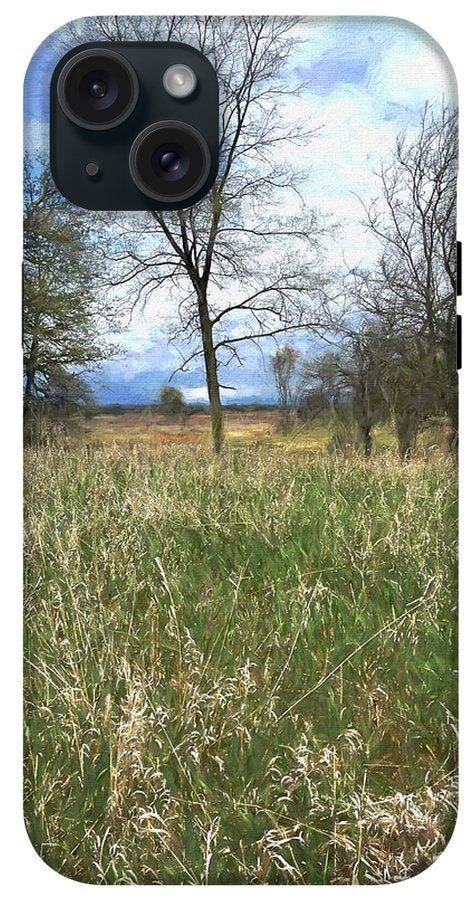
x,y
98,89
170,161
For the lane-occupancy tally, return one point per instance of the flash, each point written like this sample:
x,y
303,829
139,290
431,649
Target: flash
x,y
180,81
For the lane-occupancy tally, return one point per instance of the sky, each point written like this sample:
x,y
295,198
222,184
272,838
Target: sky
x,y
366,79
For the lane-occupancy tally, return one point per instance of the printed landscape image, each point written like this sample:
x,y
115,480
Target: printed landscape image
x,y
241,477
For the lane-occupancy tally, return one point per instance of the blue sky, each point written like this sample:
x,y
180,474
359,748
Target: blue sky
x,y
366,79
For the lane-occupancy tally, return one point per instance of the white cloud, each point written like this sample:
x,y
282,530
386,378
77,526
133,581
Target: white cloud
x,y
360,122
195,393
36,137
414,69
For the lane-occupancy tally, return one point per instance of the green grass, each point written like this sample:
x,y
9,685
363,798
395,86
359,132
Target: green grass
x,y
239,670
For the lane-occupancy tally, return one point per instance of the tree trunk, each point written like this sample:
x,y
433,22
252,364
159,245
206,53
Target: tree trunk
x,y
451,404
453,438
285,419
406,424
28,387
367,439
213,387
364,415
30,372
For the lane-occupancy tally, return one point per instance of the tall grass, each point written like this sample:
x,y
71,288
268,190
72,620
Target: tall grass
x,y
238,670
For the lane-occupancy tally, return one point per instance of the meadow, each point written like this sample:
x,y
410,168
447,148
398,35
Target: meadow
x,y
238,670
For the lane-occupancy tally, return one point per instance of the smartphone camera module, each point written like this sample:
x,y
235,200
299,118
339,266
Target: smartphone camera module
x,y
170,161
134,125
98,90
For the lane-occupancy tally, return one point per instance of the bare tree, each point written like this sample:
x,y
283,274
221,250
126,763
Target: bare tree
x,y
284,364
240,269
354,374
412,291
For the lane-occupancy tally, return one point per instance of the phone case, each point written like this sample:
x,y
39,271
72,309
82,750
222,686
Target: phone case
x,y
240,476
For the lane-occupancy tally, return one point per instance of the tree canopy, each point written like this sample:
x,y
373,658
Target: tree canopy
x,y
63,313
170,400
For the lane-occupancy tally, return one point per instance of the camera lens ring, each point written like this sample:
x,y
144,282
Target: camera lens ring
x,y
157,185
72,87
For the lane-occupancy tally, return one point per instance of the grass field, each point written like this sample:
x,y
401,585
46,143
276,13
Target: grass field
x,y
258,427
239,670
